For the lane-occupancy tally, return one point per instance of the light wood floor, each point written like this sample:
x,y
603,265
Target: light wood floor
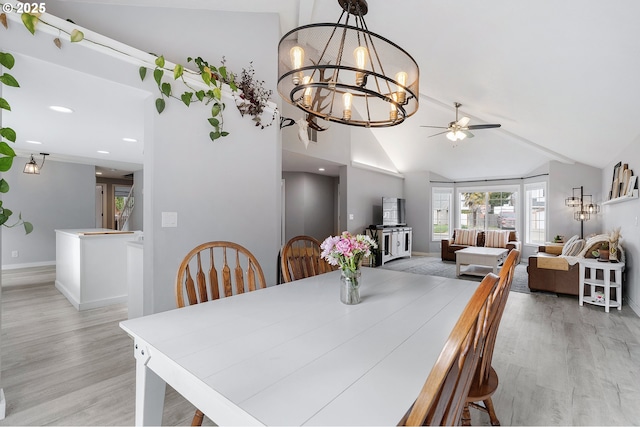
x,y
558,363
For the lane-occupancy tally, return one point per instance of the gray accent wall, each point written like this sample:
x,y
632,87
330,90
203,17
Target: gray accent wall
x,y
562,179
364,192
62,196
309,205
417,190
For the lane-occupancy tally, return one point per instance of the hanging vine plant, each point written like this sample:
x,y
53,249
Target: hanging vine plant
x,y
7,153
252,99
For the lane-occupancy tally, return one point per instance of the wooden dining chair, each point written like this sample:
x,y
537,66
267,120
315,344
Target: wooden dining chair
x,y
214,279
442,398
300,258
485,380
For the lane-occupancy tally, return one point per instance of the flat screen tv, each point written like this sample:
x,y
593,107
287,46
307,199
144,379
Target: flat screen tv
x,y
393,211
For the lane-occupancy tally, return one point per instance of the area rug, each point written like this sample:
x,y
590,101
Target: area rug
x,y
434,266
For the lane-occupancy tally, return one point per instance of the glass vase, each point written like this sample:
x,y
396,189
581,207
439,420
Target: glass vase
x,y
350,287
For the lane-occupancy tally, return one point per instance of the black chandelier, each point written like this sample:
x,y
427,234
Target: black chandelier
x,y
328,70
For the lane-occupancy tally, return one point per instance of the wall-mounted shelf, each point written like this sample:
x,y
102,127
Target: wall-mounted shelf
x,y
633,195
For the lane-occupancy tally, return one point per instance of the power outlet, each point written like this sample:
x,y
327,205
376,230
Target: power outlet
x,y
14,254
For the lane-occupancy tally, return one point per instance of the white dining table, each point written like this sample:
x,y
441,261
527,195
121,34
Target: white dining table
x,y
293,354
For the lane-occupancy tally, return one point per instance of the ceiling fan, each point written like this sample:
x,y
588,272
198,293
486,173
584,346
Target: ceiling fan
x,y
459,129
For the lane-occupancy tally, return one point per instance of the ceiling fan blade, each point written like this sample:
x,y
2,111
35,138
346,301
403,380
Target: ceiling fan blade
x,y
463,121
436,134
487,126
435,127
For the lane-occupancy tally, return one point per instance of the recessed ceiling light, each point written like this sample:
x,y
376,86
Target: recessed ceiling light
x,y
98,173
130,139
321,169
34,142
103,152
61,109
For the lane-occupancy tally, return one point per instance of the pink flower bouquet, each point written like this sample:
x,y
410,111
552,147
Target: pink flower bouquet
x,y
347,250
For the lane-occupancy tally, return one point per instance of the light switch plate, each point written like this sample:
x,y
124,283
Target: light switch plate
x,y
169,219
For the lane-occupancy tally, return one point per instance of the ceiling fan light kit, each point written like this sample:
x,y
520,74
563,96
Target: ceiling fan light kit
x,y
459,128
330,69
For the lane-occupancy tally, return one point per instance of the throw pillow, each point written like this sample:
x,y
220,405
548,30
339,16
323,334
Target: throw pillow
x,y
569,242
465,237
573,248
496,238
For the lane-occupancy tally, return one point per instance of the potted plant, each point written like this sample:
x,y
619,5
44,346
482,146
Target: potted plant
x,y
602,252
558,239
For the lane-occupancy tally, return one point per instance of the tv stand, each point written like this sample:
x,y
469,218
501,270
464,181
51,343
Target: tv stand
x,y
393,243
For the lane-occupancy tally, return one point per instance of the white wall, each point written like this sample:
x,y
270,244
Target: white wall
x,y
62,196
626,215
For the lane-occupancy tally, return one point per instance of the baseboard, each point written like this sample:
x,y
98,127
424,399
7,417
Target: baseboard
x,y
103,302
28,265
635,307
67,294
425,254
80,306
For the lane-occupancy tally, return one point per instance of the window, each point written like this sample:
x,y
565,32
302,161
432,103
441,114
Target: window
x,y
488,210
535,230
441,199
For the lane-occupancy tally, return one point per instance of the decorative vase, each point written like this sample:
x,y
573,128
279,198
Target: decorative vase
x,y
613,251
350,287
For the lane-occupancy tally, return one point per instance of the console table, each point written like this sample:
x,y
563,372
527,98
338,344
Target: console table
x,y
607,267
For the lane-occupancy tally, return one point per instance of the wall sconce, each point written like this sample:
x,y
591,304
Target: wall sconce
x,y
32,168
583,210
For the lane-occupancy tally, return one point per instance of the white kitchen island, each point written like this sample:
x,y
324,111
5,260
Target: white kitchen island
x,y
91,266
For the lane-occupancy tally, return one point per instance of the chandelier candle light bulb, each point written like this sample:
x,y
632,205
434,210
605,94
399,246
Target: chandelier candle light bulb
x,y
393,113
346,99
297,58
360,54
401,78
306,99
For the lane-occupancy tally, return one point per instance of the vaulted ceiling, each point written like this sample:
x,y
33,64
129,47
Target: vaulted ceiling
x,y
560,76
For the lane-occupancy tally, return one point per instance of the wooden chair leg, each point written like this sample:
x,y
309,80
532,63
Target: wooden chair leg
x,y
197,418
466,415
492,412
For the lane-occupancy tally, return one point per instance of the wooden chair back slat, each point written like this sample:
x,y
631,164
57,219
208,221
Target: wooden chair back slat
x,y
206,285
251,277
191,290
213,276
202,282
442,398
300,258
239,275
226,275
